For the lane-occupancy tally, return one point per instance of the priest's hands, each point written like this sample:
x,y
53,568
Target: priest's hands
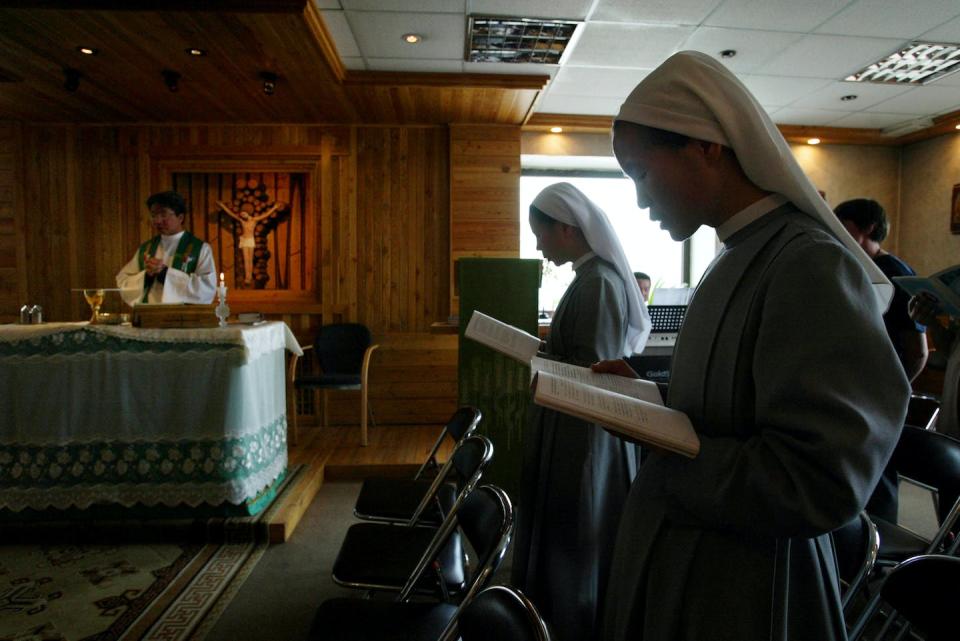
x,y
154,266
617,366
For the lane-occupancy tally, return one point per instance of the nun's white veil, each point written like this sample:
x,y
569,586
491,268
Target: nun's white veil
x,y
694,95
567,204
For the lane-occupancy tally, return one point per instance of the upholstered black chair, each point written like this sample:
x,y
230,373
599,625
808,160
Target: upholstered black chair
x,y
919,595
502,613
418,500
856,545
922,411
382,556
485,519
343,352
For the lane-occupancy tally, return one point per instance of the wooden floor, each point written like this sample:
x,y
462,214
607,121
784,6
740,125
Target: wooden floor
x,y
336,453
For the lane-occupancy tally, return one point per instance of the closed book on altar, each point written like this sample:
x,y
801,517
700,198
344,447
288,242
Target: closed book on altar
x,y
177,315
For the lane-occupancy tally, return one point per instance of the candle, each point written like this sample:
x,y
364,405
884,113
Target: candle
x,y
222,289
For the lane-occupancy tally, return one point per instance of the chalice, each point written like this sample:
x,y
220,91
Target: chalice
x,y
94,299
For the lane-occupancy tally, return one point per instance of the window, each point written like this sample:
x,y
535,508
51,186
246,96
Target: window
x,y
649,249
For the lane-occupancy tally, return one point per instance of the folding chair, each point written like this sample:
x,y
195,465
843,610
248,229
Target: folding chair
x,y
382,556
503,613
921,595
922,411
486,520
398,500
856,545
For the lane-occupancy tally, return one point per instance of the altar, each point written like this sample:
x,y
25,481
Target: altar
x,y
93,414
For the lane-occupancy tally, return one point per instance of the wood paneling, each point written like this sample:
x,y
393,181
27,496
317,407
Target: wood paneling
x,y
484,194
124,83
380,219
13,279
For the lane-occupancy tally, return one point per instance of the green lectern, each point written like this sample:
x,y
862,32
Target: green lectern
x,y
506,289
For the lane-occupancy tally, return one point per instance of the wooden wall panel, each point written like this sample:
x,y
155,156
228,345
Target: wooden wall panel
x,y
382,219
484,194
13,278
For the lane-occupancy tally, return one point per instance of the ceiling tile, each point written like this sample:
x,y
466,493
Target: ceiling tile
x,y
355,64
947,32
587,105
420,6
338,27
950,80
929,100
622,45
753,47
571,9
777,15
868,95
835,57
690,12
779,90
519,68
327,4
869,120
378,34
890,18
432,66
595,81
791,116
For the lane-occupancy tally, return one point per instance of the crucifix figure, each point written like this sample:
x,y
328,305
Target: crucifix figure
x,y
248,239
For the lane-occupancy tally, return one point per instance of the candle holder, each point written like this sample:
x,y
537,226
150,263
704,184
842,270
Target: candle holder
x,y
222,310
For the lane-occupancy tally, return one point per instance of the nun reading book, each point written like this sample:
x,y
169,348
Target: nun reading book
x,y
575,474
782,365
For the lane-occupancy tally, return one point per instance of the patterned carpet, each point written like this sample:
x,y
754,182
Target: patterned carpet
x,y
88,591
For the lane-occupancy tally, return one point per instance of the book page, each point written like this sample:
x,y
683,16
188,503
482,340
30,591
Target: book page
x,y
949,300
632,387
634,418
504,338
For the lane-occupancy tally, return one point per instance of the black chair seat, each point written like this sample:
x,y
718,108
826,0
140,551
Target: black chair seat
x,y
898,543
348,619
398,499
377,555
331,381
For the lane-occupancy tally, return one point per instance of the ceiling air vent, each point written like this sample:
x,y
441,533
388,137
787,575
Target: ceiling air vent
x,y
536,40
917,64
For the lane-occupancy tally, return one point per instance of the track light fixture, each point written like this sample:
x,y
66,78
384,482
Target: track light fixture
x,y
171,79
269,82
71,79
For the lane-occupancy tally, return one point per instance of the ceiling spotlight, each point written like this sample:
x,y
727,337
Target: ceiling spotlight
x,y
728,53
848,97
87,51
556,130
171,79
269,82
193,51
71,79
813,141
412,38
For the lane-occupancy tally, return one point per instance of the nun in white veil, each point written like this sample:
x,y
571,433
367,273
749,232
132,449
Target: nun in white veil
x,y
782,365
576,475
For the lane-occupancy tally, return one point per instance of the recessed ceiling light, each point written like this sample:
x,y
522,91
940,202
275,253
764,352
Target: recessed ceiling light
x,y
918,63
728,53
813,141
848,97
89,51
556,130
193,51
412,38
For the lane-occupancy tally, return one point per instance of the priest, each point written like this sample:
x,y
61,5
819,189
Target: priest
x,y
172,267
782,365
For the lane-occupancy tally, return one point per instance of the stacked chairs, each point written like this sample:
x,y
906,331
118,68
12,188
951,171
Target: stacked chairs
x,y
421,499
921,592
932,460
485,521
856,544
382,556
503,613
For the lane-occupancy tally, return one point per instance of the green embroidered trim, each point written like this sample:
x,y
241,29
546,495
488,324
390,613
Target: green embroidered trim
x,y
86,341
111,462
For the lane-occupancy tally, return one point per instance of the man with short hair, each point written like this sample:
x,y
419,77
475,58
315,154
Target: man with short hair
x,y
643,280
172,267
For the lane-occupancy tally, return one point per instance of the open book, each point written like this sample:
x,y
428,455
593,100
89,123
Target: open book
x,y
944,285
629,406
